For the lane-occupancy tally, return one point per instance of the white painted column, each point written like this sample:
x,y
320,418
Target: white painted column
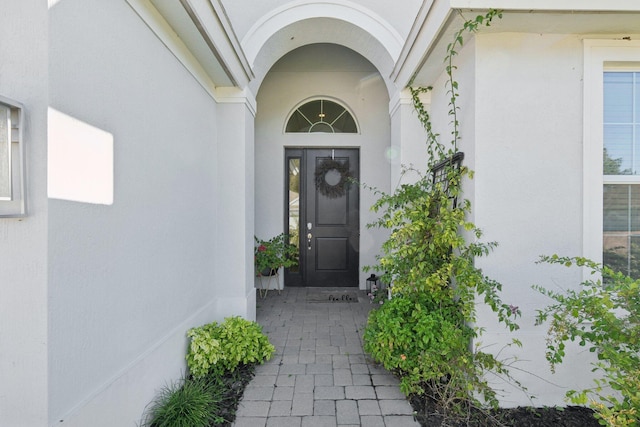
x,y
235,217
408,138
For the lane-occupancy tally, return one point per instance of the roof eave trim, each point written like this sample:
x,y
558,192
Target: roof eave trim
x,y
211,20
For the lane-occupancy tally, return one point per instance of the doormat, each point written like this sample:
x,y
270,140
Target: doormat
x,y
332,296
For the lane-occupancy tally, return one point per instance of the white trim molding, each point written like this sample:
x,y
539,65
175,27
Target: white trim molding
x,y
342,10
550,5
161,28
597,55
234,95
216,58
404,97
212,22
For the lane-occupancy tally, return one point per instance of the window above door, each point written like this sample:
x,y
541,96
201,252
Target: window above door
x,y
321,115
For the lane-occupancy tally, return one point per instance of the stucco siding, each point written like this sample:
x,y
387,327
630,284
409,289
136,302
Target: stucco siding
x,y
520,115
23,245
127,278
528,187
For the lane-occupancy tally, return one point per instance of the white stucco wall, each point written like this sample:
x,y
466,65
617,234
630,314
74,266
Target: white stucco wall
x,y
334,72
23,244
528,185
521,130
127,279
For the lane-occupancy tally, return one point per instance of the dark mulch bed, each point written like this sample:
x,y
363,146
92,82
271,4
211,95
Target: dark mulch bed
x,y
234,384
428,414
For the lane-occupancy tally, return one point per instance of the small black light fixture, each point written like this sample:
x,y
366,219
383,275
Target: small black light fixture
x,y
372,281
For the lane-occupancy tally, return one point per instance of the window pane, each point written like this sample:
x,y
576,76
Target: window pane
x,y
345,124
621,124
621,202
294,206
5,153
321,115
321,127
621,237
618,97
618,146
298,123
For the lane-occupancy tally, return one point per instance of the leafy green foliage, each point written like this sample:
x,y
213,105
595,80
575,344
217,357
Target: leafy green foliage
x,y
603,314
222,347
423,333
410,335
427,248
274,253
186,403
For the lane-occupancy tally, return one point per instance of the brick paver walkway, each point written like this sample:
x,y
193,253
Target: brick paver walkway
x,y
319,375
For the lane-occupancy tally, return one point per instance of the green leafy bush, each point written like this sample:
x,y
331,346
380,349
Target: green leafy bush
x,y
604,315
186,403
274,253
222,347
410,335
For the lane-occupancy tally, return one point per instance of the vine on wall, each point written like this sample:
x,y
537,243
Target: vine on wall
x,y
424,333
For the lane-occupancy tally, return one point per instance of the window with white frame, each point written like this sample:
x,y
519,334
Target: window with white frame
x,y
612,154
12,166
621,170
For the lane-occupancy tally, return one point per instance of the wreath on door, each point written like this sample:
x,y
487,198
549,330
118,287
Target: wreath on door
x,y
324,186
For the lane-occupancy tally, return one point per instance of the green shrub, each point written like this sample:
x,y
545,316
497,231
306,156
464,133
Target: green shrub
x,y
603,314
410,335
186,403
219,348
426,342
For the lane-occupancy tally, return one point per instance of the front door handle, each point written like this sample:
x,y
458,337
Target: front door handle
x,y
309,237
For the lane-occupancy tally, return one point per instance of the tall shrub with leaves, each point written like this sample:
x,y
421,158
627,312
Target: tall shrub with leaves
x,y
219,348
603,314
431,251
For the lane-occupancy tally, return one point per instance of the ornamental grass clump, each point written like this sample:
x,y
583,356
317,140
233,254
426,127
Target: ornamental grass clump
x,y
186,403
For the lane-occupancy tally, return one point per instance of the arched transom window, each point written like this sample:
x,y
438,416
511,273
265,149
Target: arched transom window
x,y
321,115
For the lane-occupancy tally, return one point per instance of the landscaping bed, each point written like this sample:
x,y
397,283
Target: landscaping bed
x,y
234,384
428,414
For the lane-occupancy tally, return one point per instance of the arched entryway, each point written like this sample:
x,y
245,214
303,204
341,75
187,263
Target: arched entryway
x,y
342,76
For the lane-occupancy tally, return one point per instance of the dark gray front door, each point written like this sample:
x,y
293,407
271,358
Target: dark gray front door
x,y
323,212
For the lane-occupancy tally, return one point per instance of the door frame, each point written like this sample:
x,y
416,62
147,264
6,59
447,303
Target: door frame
x,y
299,278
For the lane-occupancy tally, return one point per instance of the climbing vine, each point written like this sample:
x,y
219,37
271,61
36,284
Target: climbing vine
x,y
424,333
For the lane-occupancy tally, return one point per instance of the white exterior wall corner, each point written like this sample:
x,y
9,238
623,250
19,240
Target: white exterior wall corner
x,y
234,278
528,190
127,280
23,242
408,139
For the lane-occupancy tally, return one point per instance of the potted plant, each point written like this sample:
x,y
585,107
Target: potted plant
x,y
274,253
